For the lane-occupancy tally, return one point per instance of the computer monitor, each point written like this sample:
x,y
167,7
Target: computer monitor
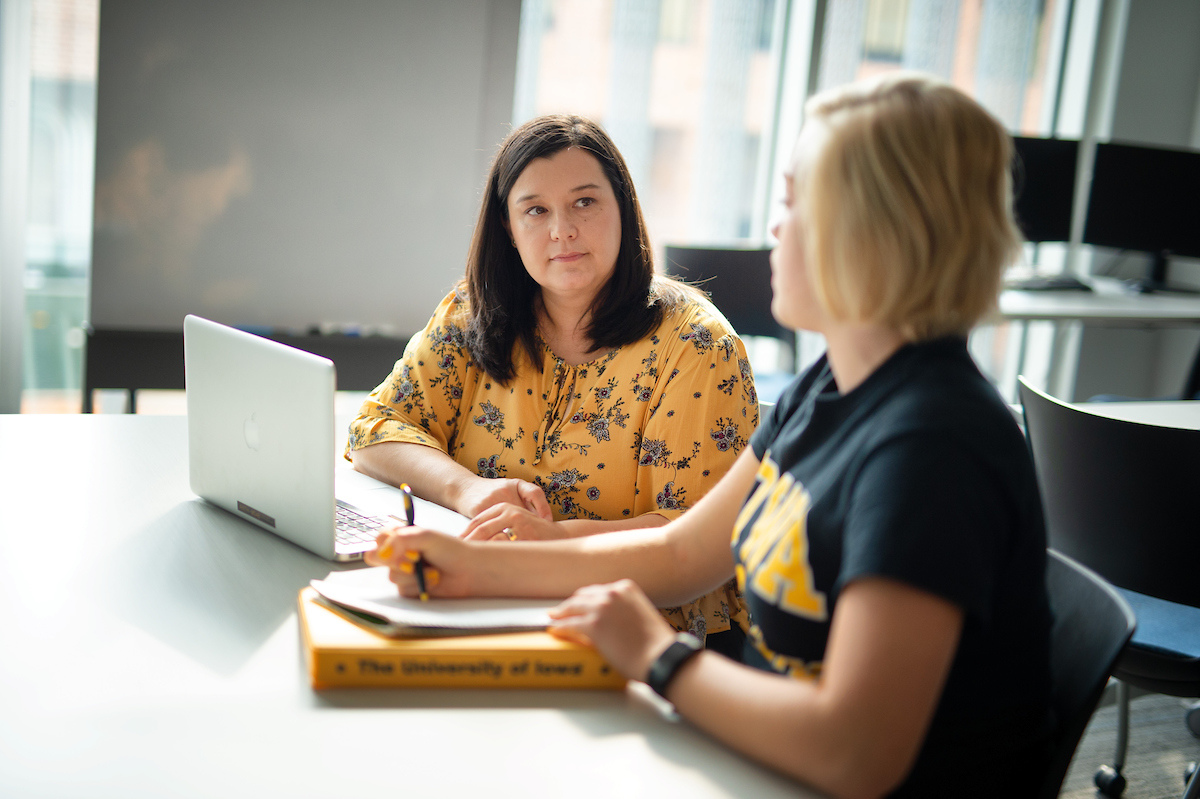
x,y
1044,187
1147,199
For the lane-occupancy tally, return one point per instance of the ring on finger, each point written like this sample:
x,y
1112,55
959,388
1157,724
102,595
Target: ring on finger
x,y
508,531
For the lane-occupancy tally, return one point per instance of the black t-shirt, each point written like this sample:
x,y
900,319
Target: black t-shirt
x,y
920,474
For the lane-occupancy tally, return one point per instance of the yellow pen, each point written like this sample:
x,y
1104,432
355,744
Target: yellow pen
x,y
410,513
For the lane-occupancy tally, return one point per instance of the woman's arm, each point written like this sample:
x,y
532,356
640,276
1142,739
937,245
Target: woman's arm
x,y
435,476
511,522
403,429
855,731
674,563
495,505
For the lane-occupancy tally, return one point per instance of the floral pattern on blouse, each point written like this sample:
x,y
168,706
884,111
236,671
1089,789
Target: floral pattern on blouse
x,y
648,427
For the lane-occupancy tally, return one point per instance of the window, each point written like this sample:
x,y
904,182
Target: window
x,y
685,89
691,91
998,51
702,96
883,34
59,211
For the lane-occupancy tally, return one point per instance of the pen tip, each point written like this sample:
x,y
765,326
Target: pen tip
x,y
424,597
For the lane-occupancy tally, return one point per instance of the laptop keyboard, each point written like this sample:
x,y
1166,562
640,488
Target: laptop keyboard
x,y
355,528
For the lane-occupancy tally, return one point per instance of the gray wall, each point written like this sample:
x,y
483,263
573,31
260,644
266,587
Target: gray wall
x,y
1157,102
1160,74
287,164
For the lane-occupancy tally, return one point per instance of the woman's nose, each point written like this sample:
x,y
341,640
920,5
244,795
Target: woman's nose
x,y
563,227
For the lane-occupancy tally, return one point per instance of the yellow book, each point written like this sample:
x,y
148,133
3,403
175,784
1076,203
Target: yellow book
x,y
343,654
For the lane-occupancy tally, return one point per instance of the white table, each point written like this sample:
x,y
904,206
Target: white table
x,y
148,647
1183,414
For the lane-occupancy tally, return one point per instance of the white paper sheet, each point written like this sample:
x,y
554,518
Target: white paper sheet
x,y
370,591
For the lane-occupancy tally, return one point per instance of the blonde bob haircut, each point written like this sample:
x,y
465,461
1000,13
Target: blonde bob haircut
x,y
908,206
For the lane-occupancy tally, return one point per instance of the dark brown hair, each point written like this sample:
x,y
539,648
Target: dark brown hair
x,y
501,294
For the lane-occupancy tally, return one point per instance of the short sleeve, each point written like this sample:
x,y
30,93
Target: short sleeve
x,y
771,425
704,414
927,512
418,403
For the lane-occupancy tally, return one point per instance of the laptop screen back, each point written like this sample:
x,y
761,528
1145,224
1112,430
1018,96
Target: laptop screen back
x,y
261,431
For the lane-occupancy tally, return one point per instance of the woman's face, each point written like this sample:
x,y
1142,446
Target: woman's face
x,y
793,301
564,219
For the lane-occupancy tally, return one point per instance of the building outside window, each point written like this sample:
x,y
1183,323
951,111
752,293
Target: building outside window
x,y
998,51
1002,53
690,92
58,236
685,89
688,89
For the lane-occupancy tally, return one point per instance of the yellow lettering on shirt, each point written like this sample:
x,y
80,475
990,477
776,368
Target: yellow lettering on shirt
x,y
778,506
768,474
795,667
775,551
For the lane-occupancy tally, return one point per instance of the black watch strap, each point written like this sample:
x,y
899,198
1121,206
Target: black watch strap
x,y
666,666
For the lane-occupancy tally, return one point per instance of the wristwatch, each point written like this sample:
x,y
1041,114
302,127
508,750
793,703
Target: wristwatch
x,y
666,666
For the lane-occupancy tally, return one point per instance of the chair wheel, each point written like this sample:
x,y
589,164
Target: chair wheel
x,y
1110,782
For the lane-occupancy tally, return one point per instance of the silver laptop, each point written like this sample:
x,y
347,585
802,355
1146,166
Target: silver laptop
x,y
262,445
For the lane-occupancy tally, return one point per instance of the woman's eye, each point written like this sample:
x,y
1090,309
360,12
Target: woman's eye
x,y
584,202
535,210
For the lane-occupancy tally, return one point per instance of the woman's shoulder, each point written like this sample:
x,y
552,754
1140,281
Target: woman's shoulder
x,y
942,396
454,308
449,322
688,309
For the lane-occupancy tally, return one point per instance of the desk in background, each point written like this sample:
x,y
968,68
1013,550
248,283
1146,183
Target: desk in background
x,y
153,359
1111,304
150,649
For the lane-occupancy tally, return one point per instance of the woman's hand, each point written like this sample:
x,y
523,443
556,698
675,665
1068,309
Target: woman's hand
x,y
483,493
512,523
446,558
619,621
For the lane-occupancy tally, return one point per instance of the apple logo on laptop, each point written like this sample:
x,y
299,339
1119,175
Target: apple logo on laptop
x,y
250,433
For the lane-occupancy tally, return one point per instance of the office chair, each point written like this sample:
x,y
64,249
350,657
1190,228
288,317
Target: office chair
x,y
1092,624
1122,499
739,283
1191,387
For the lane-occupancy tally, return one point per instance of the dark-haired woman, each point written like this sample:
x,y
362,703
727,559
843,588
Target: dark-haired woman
x,y
564,389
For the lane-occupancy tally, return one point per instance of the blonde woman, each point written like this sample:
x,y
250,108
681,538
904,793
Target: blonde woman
x,y
886,525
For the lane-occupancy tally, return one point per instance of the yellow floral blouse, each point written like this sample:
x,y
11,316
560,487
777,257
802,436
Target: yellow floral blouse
x,y
645,428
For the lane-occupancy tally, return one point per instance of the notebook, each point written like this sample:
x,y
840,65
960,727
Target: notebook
x,y
374,603
262,444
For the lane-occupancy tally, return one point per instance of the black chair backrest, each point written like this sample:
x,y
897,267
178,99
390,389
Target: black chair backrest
x,y
1092,624
1191,388
1122,498
739,282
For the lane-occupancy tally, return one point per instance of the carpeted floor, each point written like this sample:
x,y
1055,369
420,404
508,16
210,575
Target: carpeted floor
x,y
1160,748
